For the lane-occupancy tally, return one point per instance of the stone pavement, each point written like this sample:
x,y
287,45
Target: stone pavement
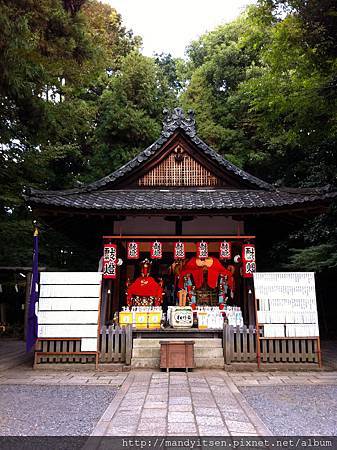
x,y
13,353
26,375
282,378
203,403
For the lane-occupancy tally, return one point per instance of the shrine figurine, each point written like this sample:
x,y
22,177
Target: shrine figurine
x,y
193,296
145,267
187,282
223,289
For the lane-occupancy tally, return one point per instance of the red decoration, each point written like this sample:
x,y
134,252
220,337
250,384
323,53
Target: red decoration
x,y
110,261
133,250
196,267
249,267
248,252
248,260
145,287
179,250
156,250
225,250
202,249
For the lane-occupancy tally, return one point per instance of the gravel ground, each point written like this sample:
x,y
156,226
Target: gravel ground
x,y
52,410
295,410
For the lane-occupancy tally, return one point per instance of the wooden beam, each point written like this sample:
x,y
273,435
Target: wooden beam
x,y
172,237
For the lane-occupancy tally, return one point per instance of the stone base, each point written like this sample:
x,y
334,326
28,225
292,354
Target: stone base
x,y
208,353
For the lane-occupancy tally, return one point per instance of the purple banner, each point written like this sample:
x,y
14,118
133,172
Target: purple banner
x,y
34,297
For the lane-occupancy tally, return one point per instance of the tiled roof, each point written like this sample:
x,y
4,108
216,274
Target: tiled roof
x,y
177,200
104,194
174,121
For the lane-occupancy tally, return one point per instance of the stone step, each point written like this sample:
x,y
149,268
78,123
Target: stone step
x,y
209,363
146,363
154,352
200,363
213,343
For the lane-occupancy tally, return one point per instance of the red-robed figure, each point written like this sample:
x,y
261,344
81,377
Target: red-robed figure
x,y
196,267
145,286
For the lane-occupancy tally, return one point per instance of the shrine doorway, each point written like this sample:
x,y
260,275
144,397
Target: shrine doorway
x,y
164,271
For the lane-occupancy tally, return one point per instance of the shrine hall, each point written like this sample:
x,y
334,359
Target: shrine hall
x,y
177,226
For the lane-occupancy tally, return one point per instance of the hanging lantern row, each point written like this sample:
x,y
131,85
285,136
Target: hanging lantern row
x,y
248,260
110,261
156,252
133,250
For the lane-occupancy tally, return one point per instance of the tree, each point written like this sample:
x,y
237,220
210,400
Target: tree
x,y
218,64
54,59
129,113
264,89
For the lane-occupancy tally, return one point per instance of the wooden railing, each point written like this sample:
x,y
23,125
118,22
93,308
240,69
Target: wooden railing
x,y
240,345
115,344
291,350
62,351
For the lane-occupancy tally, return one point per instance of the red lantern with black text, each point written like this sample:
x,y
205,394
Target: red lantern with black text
x,y
225,250
133,250
156,250
202,249
248,260
179,250
110,261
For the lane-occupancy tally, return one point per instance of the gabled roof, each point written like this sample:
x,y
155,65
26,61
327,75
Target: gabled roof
x,y
108,193
173,122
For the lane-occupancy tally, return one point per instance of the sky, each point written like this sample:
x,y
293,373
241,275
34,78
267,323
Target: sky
x,y
169,26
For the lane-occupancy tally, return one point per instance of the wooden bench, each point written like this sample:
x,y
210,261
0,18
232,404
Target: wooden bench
x,y
60,350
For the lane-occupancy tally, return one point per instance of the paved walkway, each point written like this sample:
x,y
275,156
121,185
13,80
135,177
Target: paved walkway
x,y
26,375
155,403
282,378
198,403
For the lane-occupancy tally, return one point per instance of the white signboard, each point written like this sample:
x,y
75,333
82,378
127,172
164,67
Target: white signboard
x,y
68,306
286,304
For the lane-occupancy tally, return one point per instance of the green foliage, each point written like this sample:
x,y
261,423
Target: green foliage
x,y
66,50
218,64
264,91
315,258
263,88
129,113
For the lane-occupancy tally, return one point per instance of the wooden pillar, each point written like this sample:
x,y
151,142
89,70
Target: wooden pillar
x,y
251,301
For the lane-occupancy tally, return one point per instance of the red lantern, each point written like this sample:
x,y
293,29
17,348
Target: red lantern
x,y
110,261
249,267
179,250
133,250
225,250
248,260
202,249
156,250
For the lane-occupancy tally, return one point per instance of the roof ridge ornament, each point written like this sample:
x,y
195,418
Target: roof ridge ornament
x,y
176,118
